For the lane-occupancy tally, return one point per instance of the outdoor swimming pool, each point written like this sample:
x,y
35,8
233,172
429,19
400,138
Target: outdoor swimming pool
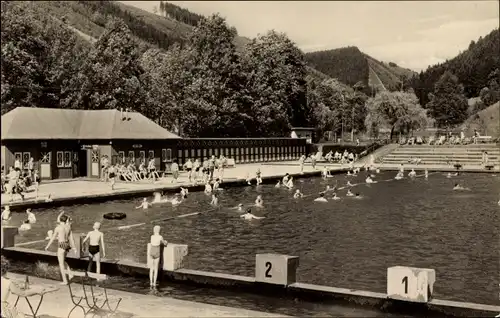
x,y
347,243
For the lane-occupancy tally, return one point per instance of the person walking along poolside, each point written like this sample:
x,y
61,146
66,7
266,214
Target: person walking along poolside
x,y
154,252
175,171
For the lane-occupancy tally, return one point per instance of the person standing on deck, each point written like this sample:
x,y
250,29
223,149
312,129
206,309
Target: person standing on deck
x,y
154,253
196,170
313,161
211,167
222,166
301,162
96,240
31,165
175,171
66,242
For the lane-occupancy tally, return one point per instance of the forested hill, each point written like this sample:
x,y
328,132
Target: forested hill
x,y
475,68
351,66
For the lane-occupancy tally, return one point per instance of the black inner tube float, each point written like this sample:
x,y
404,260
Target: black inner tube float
x,y
114,216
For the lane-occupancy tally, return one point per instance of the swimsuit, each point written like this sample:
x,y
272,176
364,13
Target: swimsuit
x,y
154,252
64,245
93,249
111,174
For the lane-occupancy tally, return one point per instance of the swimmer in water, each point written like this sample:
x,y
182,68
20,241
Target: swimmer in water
x,y
357,195
349,184
31,216
278,184
184,193
297,194
49,198
285,179
239,207
412,173
6,214
96,240
156,198
144,204
399,176
216,185
426,174
248,179
208,187
321,198
349,193
349,173
249,216
378,170
401,168
335,197
215,200
369,180
259,202
458,187
325,173
26,226
289,184
176,201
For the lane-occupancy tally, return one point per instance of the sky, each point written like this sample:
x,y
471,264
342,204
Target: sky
x,y
412,34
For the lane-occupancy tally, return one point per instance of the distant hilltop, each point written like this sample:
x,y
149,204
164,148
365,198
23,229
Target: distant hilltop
x,y
350,66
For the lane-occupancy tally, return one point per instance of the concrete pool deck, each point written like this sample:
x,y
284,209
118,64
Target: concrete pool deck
x,y
58,304
67,191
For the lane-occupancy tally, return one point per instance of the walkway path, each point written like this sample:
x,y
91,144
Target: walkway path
x,y
84,188
58,304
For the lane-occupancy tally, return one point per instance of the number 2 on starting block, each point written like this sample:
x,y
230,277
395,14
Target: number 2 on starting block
x,y
410,283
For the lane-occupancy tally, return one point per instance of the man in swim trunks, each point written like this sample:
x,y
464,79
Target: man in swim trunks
x,y
154,254
65,243
95,238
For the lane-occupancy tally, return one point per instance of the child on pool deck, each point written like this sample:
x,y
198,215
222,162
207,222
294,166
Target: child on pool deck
x,y
154,254
96,240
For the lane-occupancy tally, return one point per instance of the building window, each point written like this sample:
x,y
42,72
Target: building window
x,y
192,153
204,153
45,157
198,153
60,159
232,152
131,157
166,155
121,157
18,156
26,159
179,154
142,156
67,159
151,154
186,153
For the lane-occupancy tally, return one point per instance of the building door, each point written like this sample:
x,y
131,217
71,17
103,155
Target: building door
x,y
82,163
94,164
45,165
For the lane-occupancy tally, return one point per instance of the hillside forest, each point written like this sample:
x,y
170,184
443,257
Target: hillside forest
x,y
198,84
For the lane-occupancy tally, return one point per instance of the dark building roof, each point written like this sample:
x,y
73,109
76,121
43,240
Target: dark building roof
x,y
55,123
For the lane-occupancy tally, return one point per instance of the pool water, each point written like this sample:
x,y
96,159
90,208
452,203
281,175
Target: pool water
x,y
347,243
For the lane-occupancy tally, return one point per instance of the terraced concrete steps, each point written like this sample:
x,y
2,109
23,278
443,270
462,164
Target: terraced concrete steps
x,y
465,155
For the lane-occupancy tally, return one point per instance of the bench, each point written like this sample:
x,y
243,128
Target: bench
x,y
484,138
92,297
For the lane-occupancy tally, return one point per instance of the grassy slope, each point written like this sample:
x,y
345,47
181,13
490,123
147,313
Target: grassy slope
x,y
373,72
79,19
487,121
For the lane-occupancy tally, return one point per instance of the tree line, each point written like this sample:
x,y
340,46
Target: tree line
x,y
203,88
179,14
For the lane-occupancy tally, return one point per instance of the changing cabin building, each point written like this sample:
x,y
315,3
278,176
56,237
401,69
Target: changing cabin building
x,y
69,143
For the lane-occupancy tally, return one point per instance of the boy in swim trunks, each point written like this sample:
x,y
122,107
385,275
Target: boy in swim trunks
x,y
95,238
154,254
65,243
